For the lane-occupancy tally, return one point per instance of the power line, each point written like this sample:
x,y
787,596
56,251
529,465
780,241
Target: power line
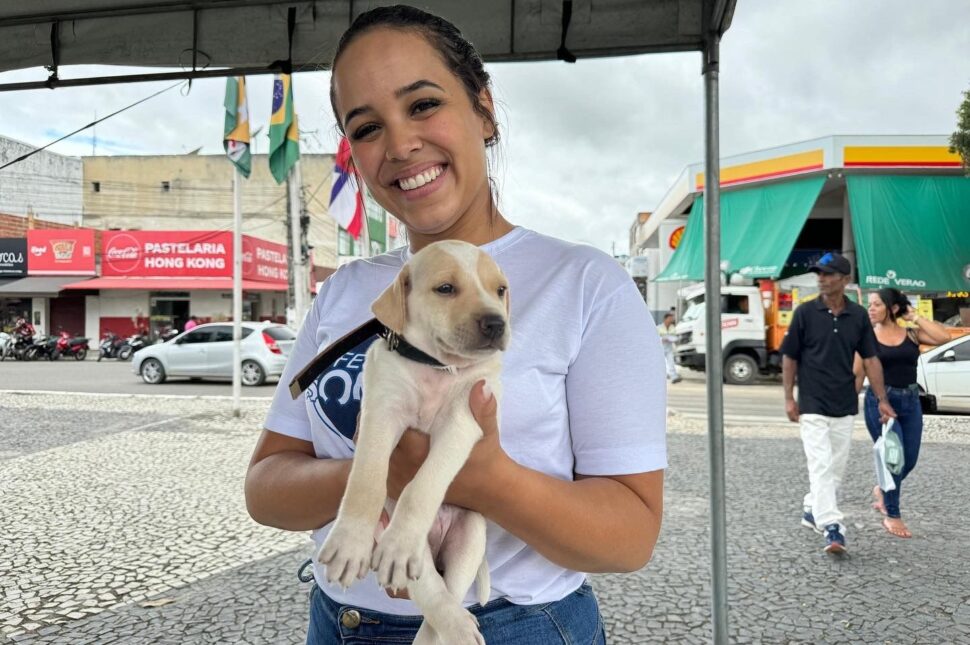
x,y
90,125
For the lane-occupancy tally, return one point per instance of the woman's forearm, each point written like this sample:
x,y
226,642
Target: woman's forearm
x,y
595,524
295,491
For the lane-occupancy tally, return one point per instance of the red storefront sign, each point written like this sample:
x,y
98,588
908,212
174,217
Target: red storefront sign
x,y
60,252
196,254
265,261
166,253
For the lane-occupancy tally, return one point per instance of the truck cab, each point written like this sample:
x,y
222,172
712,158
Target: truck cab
x,y
743,333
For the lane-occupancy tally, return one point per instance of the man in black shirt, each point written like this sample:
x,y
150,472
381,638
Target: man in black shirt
x,y
819,347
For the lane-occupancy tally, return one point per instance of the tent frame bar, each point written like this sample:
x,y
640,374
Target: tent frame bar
x,y
714,364
53,83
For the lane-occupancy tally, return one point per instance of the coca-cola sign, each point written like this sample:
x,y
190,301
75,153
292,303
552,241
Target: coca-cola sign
x,y
190,254
167,253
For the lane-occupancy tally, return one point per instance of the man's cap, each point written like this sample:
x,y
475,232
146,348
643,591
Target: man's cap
x,y
831,263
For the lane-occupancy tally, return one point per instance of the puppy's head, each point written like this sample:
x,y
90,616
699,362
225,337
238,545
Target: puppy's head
x,y
451,301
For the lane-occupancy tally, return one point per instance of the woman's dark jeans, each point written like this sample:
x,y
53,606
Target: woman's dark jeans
x,y
574,620
909,425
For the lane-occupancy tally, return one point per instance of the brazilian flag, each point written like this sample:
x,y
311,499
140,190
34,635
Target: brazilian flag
x,y
235,135
284,141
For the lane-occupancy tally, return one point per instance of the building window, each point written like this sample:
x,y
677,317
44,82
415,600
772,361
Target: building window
x,y
166,186
96,186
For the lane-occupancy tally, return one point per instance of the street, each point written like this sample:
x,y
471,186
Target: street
x,y
115,377
124,522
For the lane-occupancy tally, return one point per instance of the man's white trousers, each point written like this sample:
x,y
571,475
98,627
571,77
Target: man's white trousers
x,y
826,441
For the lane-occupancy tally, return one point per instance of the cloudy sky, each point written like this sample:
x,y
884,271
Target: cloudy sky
x,y
586,146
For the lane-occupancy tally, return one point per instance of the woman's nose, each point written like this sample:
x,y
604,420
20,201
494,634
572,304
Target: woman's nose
x,y
402,142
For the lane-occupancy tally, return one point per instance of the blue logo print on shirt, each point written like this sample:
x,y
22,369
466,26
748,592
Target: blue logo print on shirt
x,y
335,395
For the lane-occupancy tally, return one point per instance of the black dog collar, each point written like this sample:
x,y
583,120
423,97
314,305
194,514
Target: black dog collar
x,y
345,343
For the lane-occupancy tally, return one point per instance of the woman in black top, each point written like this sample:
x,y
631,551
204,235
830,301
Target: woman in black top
x,y
898,351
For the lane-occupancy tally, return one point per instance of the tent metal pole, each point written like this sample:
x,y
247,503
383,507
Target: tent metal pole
x,y
714,366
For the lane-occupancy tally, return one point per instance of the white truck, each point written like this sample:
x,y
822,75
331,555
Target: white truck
x,y
743,333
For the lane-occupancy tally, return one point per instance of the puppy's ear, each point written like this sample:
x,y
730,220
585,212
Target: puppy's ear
x,y
391,307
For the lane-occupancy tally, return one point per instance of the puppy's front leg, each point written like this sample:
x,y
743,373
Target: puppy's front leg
x,y
398,556
347,549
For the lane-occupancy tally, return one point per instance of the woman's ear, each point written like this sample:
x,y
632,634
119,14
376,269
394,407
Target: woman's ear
x,y
488,125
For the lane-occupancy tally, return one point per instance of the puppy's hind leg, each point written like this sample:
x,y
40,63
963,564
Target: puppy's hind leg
x,y
462,556
446,622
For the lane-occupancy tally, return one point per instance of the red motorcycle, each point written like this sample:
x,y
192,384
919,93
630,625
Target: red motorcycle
x,y
68,345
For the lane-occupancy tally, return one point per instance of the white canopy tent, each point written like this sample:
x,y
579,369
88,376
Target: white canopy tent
x,y
211,38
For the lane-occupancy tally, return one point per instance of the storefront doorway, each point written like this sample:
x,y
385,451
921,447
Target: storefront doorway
x,y
168,311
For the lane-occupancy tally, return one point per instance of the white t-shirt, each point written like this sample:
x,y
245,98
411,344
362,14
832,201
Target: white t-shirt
x,y
583,388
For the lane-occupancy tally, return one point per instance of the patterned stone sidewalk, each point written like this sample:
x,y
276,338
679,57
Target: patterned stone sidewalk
x,y
122,521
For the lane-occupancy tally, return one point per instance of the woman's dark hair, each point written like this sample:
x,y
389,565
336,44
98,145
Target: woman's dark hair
x,y
890,297
457,53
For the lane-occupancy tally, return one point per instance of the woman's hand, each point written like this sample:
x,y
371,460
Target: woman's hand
x,y
486,460
911,315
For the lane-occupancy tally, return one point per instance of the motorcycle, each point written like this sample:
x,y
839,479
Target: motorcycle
x,y
72,346
109,346
131,345
6,345
42,347
21,343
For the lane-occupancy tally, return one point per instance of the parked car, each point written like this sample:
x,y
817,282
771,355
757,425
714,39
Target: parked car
x,y
944,372
205,352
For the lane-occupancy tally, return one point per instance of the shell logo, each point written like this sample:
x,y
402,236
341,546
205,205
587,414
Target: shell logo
x,y
675,236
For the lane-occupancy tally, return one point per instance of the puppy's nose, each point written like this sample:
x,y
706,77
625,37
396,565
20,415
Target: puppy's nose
x,y
491,326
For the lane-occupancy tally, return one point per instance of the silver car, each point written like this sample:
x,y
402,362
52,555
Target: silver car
x,y
206,352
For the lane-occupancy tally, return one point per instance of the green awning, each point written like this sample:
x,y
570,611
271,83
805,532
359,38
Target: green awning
x,y
759,227
911,232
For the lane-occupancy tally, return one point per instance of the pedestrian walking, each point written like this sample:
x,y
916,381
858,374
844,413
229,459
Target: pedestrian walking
x,y
576,483
668,337
191,323
898,350
818,352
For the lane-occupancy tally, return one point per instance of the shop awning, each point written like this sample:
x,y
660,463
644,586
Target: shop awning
x,y
38,286
911,232
175,284
759,227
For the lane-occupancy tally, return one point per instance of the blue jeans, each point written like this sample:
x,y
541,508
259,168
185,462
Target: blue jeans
x,y
574,620
909,425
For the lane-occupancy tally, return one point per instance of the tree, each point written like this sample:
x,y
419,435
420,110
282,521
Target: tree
x,y
960,140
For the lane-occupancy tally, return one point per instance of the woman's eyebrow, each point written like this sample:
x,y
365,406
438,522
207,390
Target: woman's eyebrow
x,y
398,93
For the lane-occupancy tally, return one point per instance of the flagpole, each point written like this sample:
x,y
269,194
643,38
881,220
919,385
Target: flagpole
x,y
237,261
298,268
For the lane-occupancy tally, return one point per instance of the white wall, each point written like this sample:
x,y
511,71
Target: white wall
x,y
47,184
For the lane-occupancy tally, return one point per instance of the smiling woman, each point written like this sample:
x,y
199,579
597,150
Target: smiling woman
x,y
575,484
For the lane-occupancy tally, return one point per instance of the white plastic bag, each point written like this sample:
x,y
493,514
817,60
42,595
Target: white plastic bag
x,y
883,477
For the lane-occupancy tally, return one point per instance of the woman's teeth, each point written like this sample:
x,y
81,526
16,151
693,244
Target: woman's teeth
x,y
420,179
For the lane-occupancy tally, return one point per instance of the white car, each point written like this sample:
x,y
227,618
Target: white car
x,y
944,371
206,352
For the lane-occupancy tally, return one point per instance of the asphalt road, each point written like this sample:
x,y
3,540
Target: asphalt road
x,y
763,401
108,377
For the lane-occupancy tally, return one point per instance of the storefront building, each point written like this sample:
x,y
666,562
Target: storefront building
x,y
33,272
155,280
898,207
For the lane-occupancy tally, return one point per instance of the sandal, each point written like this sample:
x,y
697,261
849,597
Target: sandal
x,y
878,504
898,530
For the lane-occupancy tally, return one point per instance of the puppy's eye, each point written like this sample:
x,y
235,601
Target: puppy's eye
x,y
445,289
501,291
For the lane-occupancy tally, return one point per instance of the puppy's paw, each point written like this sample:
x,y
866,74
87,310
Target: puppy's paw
x,y
346,552
456,626
399,557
